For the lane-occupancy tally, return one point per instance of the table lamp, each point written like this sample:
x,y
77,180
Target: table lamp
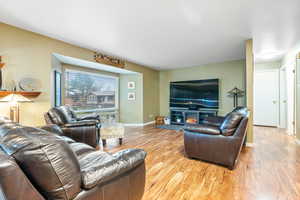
x,y
14,100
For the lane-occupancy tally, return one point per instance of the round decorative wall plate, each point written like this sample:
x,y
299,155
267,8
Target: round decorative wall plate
x,y
28,84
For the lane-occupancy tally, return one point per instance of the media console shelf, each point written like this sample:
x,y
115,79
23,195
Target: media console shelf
x,y
190,117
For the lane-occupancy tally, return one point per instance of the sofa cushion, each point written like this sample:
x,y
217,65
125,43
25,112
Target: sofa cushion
x,y
230,123
46,159
68,113
98,167
203,128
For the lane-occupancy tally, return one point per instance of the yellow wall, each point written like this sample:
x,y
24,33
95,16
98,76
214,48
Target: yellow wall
x,y
230,74
27,54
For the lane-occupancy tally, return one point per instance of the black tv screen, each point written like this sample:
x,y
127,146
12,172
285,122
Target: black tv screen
x,y
197,93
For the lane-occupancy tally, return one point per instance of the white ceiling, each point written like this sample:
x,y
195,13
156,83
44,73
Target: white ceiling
x,y
164,34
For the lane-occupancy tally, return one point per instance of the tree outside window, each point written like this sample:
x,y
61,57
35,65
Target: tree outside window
x,y
89,91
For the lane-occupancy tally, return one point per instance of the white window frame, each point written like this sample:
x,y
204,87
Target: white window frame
x,y
94,74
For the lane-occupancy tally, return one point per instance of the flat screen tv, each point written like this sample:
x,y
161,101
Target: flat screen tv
x,y
195,94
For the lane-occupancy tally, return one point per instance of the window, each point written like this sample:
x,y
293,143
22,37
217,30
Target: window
x,y
89,91
57,88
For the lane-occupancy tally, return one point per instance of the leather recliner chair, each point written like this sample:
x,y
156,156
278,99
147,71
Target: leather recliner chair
x,y
218,140
36,164
84,129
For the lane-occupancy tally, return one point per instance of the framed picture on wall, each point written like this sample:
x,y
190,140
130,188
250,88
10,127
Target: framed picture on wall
x,y
131,85
131,96
57,88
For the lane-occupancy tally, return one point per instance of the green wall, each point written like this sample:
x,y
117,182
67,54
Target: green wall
x,y
230,74
131,112
150,90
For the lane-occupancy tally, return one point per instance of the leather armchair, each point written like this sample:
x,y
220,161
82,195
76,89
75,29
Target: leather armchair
x,y
84,129
39,164
218,144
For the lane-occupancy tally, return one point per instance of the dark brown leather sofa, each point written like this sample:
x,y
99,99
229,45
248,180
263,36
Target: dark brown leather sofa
x,y
84,129
36,164
218,140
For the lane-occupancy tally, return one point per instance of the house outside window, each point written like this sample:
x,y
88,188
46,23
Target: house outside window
x,y
86,91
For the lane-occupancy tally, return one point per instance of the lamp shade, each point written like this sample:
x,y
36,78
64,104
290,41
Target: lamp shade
x,y
15,98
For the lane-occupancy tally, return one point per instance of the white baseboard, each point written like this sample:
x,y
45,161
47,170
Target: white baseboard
x,y
148,123
249,144
140,124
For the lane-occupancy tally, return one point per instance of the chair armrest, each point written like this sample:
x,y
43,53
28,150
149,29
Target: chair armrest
x,y
204,129
214,121
122,162
81,123
90,117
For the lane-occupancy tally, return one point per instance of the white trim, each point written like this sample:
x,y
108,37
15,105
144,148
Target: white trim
x,y
249,144
297,141
148,123
140,124
90,73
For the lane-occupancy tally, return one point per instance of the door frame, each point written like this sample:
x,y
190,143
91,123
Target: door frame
x,y
278,97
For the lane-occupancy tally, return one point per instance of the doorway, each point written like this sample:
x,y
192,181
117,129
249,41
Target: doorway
x,y
266,97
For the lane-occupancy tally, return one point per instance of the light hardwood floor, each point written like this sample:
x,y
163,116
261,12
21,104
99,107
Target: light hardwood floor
x,y
268,171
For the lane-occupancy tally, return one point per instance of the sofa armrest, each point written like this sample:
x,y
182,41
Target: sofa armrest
x,y
14,184
81,123
122,162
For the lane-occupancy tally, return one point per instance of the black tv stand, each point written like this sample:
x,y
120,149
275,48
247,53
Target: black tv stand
x,y
190,117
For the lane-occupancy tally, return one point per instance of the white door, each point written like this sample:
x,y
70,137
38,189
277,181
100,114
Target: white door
x,y
283,99
266,98
297,106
